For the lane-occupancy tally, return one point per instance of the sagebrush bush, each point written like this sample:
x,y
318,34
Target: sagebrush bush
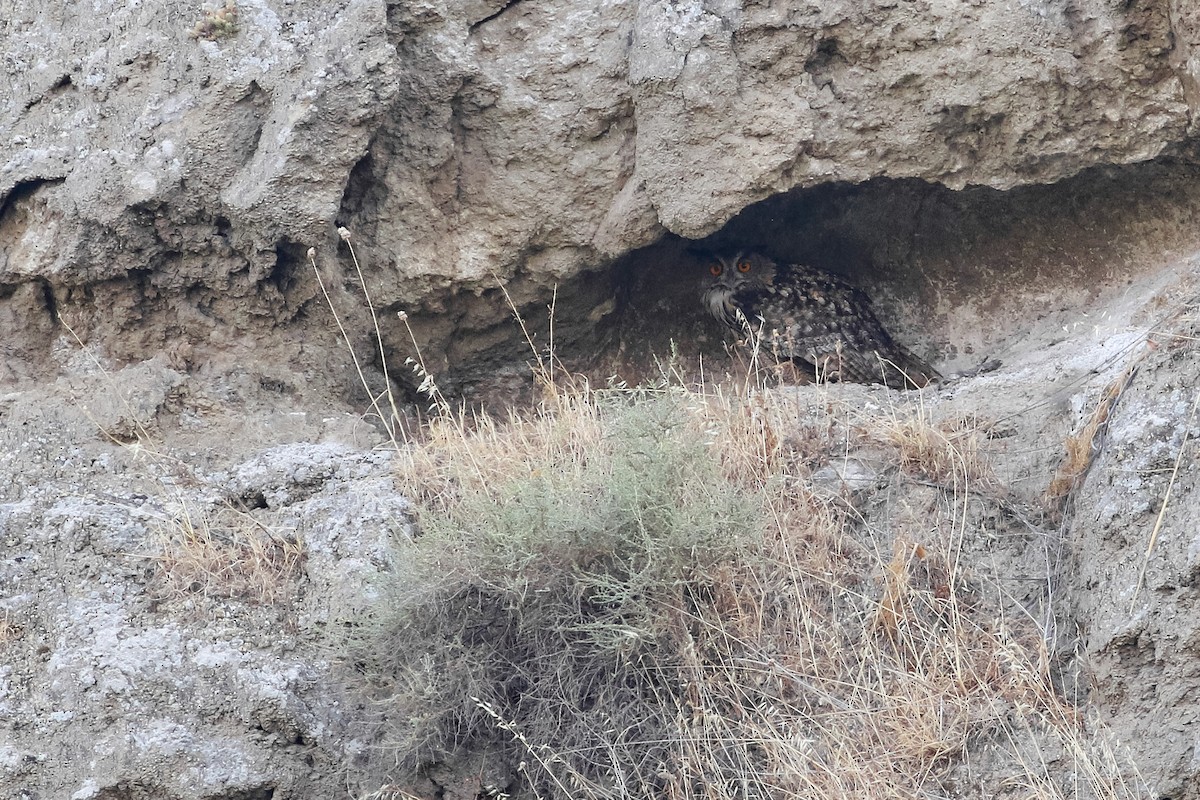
x,y
572,577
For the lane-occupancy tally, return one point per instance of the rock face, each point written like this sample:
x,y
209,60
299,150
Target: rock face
x,y
116,684
168,183
1136,552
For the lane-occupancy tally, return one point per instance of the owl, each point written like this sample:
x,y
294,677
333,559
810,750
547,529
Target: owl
x,y
811,318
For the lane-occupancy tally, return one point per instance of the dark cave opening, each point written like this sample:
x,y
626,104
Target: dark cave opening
x,y
955,275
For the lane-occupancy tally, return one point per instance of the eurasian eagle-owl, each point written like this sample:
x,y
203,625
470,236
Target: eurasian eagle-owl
x,y
809,317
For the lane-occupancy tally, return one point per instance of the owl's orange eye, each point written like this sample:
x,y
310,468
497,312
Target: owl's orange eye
x,y
744,265
716,270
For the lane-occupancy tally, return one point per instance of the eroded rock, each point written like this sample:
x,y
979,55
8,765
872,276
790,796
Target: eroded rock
x,y
168,183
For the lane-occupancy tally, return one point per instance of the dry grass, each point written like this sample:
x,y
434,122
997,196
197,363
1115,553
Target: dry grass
x,y
217,22
224,554
10,631
1083,445
389,792
642,594
946,451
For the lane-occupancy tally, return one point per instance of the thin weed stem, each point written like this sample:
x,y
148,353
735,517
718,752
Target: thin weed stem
x,y
1162,512
143,435
390,423
344,233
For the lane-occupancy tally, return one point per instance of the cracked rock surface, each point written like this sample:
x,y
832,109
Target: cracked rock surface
x,y
160,190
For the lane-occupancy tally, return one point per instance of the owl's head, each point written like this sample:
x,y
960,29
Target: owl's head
x,y
730,274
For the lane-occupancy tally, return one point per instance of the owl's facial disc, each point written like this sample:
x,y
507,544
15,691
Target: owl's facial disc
x,y
733,275
728,275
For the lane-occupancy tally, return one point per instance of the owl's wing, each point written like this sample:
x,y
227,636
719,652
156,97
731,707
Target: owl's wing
x,y
830,326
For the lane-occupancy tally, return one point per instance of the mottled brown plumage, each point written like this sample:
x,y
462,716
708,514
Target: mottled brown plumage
x,y
811,318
